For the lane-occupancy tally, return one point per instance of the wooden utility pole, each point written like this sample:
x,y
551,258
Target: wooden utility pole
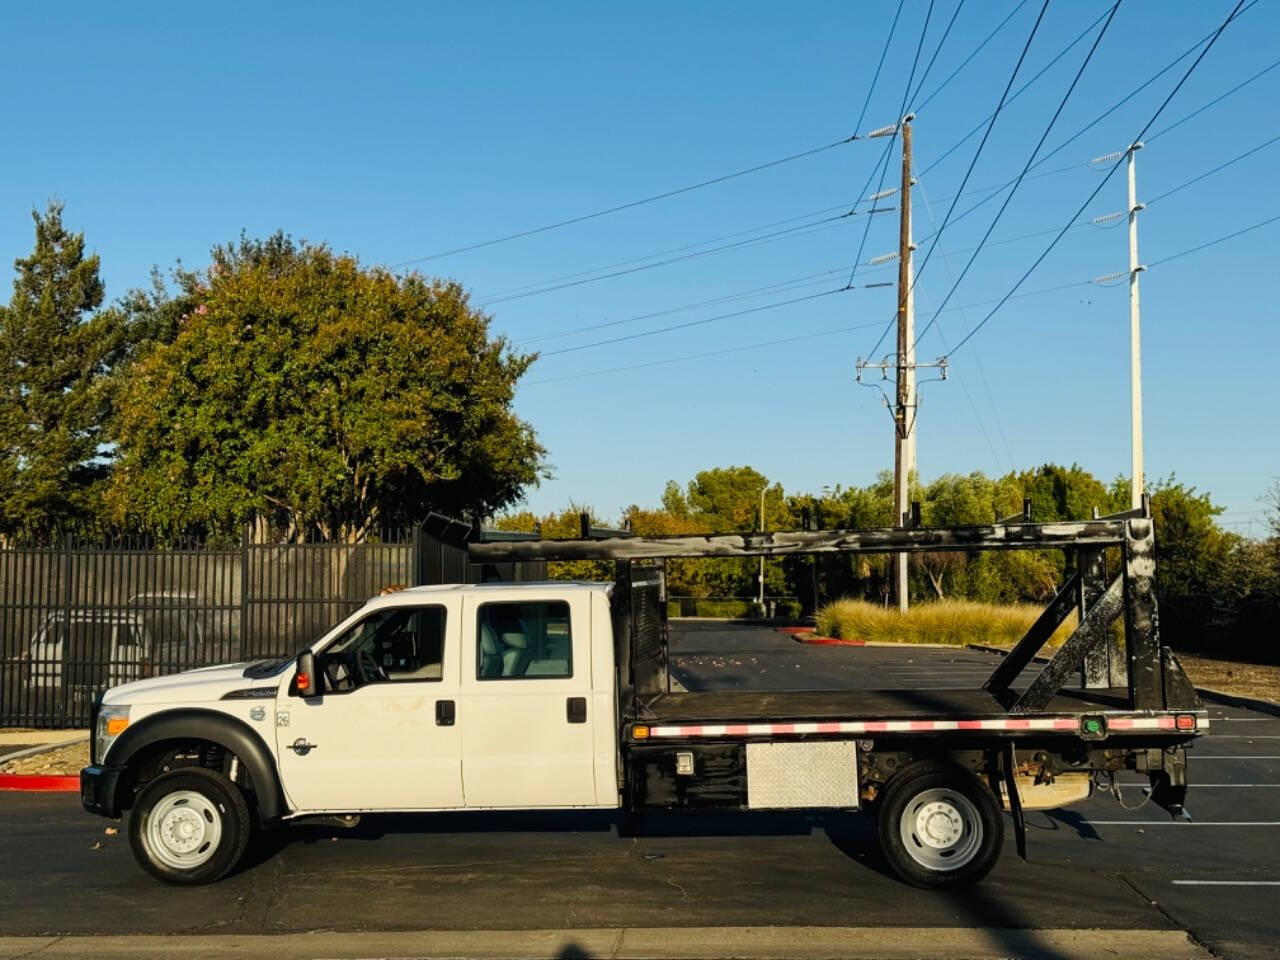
x,y
1135,340
905,401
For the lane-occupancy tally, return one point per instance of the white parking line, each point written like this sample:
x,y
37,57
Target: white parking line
x,y
1183,823
1244,719
1226,883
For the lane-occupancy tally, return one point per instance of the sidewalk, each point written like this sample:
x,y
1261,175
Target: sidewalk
x,y
12,741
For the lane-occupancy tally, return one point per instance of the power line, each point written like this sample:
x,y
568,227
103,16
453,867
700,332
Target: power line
x,y
958,307
875,78
1027,166
800,230
696,323
936,50
981,371
1209,173
977,153
699,356
1029,293
794,282
888,147
547,285
1239,86
992,192
1022,89
976,50
631,204
663,253
1053,243
1212,243
1110,110
821,277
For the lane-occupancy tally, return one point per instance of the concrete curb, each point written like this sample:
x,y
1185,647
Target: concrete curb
x,y
828,641
42,748
654,943
38,783
988,648
1244,703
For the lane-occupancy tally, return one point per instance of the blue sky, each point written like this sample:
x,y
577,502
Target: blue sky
x,y
395,131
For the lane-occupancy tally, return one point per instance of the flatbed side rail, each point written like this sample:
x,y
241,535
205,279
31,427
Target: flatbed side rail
x,y
1089,725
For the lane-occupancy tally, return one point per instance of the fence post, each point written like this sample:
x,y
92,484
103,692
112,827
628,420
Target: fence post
x,y
416,571
244,591
66,624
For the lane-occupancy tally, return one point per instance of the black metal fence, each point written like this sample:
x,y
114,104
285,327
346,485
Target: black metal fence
x,y
77,617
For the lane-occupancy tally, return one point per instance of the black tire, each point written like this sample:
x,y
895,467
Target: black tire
x,y
191,808
964,846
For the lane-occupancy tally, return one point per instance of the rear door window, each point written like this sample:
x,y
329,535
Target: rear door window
x,y
524,640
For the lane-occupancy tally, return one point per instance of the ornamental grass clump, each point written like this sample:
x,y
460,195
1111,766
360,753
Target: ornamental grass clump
x,y
954,622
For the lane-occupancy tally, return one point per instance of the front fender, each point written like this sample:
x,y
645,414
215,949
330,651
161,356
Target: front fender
x,y
195,724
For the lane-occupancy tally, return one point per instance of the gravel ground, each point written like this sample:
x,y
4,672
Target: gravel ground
x,y
61,761
1253,680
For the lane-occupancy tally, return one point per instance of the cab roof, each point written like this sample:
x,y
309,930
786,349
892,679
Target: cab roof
x,y
557,587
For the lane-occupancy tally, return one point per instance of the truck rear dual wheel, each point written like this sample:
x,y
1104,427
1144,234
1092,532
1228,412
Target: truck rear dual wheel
x,y
189,826
940,826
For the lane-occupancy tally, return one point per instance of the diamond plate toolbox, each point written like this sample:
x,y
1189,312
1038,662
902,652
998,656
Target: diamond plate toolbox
x,y
821,773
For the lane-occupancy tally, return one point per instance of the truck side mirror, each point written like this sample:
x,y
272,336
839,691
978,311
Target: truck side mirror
x,y
306,682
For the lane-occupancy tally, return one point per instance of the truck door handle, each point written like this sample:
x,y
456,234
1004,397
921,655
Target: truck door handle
x,y
445,713
576,709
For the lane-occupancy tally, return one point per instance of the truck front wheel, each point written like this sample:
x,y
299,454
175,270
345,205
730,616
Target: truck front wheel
x,y
189,826
940,826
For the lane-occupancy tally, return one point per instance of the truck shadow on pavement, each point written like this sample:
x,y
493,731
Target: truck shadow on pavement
x,y
852,834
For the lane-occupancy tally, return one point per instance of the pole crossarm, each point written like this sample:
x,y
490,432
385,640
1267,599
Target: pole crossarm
x,y
1019,536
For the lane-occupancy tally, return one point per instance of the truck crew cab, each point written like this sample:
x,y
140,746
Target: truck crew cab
x,y
555,695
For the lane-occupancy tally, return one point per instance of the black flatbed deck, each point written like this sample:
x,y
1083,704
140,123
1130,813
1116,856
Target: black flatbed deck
x,y
819,705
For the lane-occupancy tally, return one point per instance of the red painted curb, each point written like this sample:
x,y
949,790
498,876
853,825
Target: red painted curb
x,y
44,784
830,641
794,630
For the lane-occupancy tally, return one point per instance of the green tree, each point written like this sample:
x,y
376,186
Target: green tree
x,y
56,356
564,525
303,392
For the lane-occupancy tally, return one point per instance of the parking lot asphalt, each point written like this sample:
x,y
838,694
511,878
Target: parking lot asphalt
x,y
1096,866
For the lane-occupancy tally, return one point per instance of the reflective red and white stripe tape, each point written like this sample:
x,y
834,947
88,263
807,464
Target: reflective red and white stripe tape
x,y
1048,724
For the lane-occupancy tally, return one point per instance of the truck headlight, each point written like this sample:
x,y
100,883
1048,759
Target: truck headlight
x,y
112,721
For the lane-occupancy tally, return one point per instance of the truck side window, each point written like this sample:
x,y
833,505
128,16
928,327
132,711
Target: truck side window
x,y
393,644
523,640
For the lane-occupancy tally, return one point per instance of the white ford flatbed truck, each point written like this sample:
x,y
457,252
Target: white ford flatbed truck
x,y
555,695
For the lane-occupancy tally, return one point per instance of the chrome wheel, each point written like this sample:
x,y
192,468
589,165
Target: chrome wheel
x,y
941,829
184,829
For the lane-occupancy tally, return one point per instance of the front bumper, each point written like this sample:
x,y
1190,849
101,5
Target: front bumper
x,y
100,790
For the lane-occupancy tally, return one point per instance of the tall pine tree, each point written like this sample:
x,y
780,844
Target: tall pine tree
x,y
55,357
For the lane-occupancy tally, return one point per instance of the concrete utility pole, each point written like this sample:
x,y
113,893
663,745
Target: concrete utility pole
x,y
1135,347
904,447
762,492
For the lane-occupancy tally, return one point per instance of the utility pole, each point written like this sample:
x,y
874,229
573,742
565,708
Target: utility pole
x,y
1135,347
904,407
906,399
762,492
